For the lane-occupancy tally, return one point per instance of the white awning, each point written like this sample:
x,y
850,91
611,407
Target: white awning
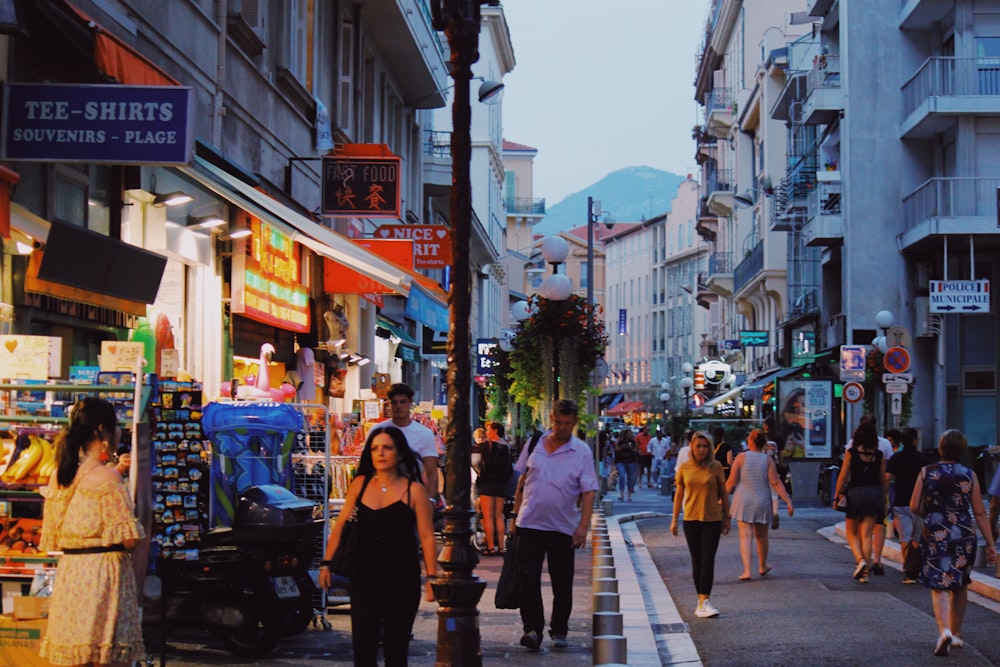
x,y
709,406
298,227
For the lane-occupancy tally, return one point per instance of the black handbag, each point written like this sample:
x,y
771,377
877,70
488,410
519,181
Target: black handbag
x,y
508,595
347,557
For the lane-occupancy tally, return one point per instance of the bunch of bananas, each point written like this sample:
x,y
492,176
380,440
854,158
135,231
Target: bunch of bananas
x,y
37,462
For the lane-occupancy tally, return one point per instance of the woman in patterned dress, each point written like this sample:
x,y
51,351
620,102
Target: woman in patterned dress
x,y
94,611
751,480
943,495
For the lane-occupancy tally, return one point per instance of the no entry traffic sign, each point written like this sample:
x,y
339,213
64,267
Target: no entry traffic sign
x,y
897,360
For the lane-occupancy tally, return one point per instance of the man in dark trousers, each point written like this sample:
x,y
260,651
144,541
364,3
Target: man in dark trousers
x,y
903,469
553,506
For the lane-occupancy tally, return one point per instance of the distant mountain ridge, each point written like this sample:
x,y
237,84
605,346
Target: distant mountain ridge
x,y
632,194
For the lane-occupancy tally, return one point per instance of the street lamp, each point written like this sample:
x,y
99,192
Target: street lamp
x,y
556,287
458,589
687,382
883,320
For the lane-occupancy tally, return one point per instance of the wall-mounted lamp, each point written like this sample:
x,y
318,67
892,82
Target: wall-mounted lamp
x,y
174,198
236,233
205,221
489,92
358,360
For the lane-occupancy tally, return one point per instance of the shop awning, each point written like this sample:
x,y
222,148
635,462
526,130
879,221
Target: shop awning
x,y
610,400
626,407
709,406
299,228
755,390
395,330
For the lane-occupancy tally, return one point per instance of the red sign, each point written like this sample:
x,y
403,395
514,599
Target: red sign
x,y
431,243
897,360
362,180
267,285
341,279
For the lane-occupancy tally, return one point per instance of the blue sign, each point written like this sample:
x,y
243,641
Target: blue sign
x,y
113,124
754,338
484,347
622,321
426,310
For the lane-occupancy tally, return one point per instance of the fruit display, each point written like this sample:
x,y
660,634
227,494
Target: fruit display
x,y
20,537
33,461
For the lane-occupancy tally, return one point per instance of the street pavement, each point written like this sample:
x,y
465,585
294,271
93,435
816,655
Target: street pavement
x,y
807,611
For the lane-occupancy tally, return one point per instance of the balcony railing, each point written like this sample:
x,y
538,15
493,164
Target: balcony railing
x,y
752,264
825,74
526,205
437,143
943,76
720,263
951,198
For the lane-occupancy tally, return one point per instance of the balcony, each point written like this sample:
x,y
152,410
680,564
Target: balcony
x,y
718,113
922,14
824,98
825,223
945,88
720,273
720,193
412,47
525,206
437,163
958,206
703,295
835,332
819,7
752,264
707,224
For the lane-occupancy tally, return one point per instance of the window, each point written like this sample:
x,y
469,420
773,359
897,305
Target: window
x,y
299,35
344,100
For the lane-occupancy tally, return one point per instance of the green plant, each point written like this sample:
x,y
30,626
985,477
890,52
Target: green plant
x,y
565,335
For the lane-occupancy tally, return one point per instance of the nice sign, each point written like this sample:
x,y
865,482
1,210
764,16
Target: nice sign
x,y
431,243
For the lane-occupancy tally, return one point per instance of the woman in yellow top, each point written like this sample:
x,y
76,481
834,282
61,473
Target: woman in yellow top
x,y
702,486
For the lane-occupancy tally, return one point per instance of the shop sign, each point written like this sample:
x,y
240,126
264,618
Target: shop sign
x,y
266,279
431,243
754,338
484,348
111,124
24,357
341,279
362,182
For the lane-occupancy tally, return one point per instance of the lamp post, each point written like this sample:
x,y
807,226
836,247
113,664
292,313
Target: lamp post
x,y
883,320
687,382
458,589
665,399
556,287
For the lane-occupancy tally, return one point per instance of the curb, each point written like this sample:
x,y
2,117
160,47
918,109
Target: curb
x,y
657,634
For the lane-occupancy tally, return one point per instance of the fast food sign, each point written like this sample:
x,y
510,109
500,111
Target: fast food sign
x,y
362,181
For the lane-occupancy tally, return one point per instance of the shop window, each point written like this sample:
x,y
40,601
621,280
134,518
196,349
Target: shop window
x,y
978,380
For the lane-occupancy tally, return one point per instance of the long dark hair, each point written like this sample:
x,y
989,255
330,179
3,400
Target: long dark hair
x,y
89,418
407,460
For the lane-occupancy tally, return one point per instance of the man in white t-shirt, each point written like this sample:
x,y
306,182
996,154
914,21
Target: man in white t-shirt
x,y
418,437
878,535
658,446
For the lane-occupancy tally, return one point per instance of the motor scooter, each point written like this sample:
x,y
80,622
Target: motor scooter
x,y
253,582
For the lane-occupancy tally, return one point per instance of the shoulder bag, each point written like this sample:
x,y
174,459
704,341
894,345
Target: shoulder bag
x,y
346,558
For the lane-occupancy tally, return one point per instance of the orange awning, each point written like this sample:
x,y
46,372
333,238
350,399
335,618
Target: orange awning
x,y
118,59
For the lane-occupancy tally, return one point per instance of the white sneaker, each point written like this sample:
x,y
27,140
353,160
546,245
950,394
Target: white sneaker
x,y
706,610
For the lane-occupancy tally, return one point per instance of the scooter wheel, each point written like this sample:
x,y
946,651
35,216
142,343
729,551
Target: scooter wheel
x,y
256,637
298,617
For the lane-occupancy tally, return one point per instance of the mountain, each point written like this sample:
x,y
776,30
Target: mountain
x,y
631,194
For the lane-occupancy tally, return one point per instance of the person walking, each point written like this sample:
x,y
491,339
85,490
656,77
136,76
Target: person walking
x,y
903,469
418,437
627,462
724,453
553,507
658,447
494,474
947,495
645,456
862,478
878,533
702,488
94,610
774,452
751,481
395,524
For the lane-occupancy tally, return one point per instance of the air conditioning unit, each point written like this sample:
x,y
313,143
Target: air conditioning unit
x,y
925,323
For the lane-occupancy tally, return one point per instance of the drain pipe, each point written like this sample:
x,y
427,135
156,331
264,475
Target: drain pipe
x,y
218,105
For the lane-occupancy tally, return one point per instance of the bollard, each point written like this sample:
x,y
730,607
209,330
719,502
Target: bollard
x,y
604,559
610,650
604,572
601,550
605,585
607,623
609,507
607,602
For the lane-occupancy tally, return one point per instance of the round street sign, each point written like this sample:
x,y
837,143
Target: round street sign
x,y
897,360
853,392
899,336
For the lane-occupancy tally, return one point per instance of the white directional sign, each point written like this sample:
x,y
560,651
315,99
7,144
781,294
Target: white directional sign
x,y
896,387
897,404
897,377
960,296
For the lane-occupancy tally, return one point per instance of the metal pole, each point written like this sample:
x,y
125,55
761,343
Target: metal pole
x,y
591,406
458,589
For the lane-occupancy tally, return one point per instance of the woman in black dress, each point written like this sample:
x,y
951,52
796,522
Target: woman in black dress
x,y
863,478
944,494
393,511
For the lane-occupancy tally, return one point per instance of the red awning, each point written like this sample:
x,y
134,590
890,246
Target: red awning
x,y
118,59
626,407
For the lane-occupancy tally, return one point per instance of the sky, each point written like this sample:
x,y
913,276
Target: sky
x,y
600,85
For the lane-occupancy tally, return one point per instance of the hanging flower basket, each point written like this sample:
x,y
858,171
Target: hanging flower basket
x,y
564,337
